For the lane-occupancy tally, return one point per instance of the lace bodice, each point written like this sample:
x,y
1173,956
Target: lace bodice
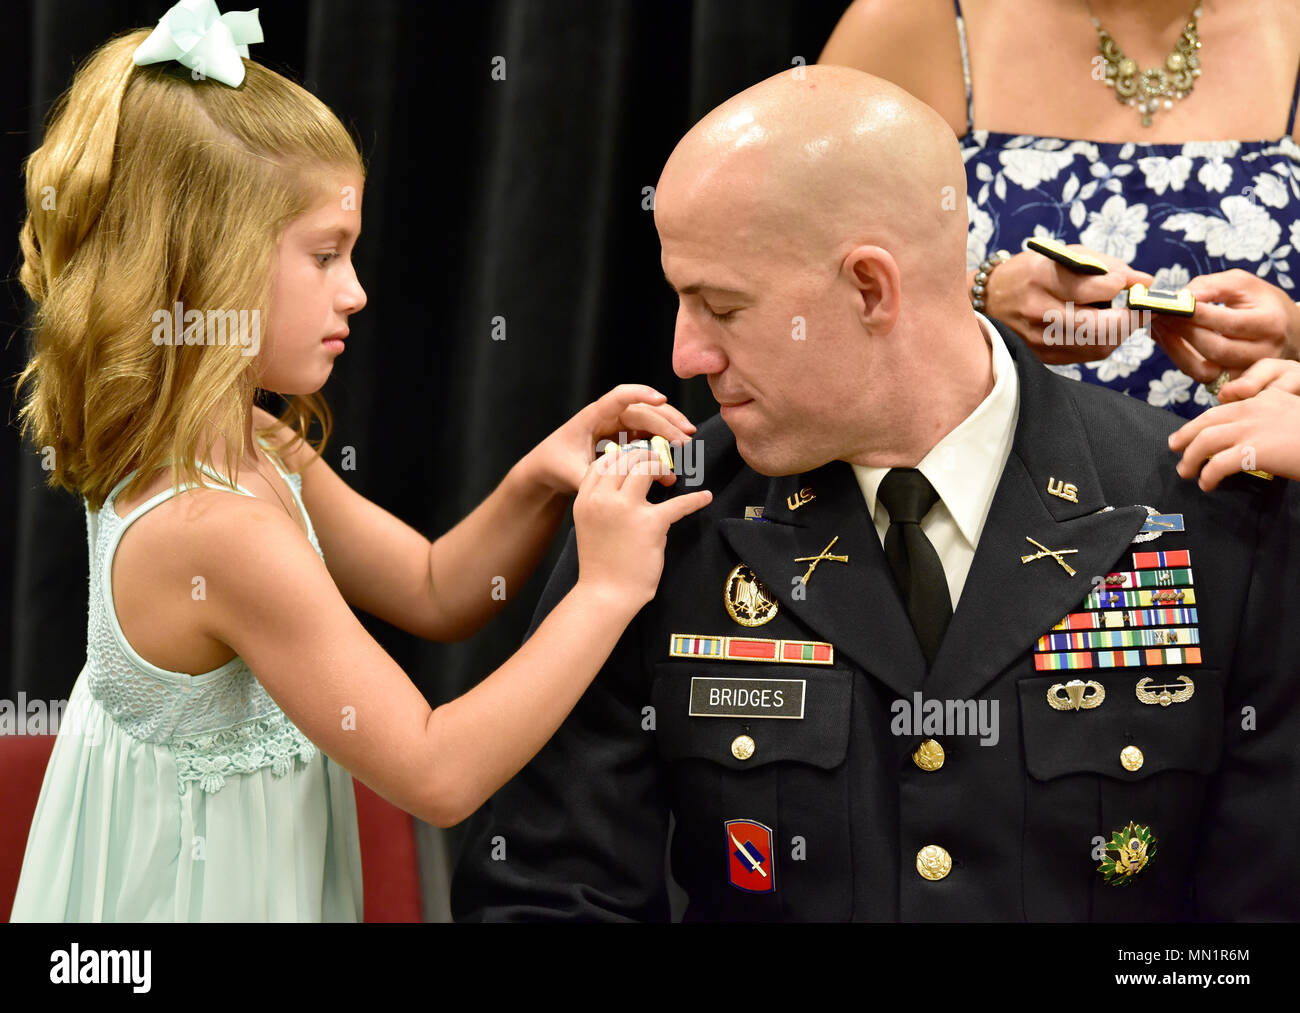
x,y
216,723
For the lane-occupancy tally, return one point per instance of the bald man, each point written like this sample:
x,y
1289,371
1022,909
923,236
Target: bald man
x,y
954,641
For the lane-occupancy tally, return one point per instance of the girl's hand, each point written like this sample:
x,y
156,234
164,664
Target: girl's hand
x,y
1256,320
1279,374
1024,290
621,537
560,461
1260,433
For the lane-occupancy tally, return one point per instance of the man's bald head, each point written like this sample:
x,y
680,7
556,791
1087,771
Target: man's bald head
x,y
825,161
814,229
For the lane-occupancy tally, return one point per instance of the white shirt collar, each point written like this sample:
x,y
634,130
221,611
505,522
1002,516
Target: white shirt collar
x,y
966,465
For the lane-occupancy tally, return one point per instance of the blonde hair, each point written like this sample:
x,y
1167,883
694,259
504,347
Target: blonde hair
x,y
150,189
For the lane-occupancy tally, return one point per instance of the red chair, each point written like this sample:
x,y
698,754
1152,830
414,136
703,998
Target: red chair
x,y
390,866
23,759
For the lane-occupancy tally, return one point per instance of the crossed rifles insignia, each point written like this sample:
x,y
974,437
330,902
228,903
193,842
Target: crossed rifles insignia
x,y
1056,554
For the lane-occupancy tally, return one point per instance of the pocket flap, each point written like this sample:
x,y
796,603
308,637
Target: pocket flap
x,y
1179,736
791,712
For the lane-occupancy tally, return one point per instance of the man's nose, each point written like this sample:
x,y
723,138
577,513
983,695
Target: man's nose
x,y
694,352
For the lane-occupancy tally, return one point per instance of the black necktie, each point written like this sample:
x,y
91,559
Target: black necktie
x,y
908,497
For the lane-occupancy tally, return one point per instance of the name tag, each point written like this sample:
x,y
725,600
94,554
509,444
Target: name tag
x,y
746,698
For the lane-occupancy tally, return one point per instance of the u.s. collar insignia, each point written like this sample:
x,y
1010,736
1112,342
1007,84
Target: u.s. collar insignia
x,y
1063,490
748,601
1127,854
798,499
750,864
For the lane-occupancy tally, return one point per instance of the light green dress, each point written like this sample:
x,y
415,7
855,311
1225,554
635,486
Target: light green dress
x,y
174,797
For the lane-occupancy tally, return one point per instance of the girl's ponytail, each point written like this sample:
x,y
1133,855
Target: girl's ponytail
x,y
68,177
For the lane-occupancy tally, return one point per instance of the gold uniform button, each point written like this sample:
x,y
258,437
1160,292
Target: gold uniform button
x,y
928,755
742,747
1131,758
933,862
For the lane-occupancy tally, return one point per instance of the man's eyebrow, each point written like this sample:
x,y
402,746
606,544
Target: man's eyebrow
x,y
701,286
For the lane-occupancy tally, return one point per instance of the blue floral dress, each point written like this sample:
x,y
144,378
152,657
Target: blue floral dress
x,y
1173,210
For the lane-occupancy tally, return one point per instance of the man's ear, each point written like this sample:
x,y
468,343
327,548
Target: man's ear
x,y
873,271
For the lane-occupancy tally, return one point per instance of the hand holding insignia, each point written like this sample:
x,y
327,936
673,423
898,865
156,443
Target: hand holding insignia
x,y
621,537
631,410
1257,434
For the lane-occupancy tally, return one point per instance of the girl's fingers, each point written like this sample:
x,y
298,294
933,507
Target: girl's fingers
x,y
628,465
1209,441
628,393
1281,374
1217,416
603,414
679,506
1184,435
1219,467
653,419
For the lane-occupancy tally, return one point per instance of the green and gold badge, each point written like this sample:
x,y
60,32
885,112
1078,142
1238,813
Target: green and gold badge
x,y
1127,854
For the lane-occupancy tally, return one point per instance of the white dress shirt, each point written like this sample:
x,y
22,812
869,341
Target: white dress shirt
x,y
964,468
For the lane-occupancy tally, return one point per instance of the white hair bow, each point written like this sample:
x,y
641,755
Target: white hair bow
x,y
195,34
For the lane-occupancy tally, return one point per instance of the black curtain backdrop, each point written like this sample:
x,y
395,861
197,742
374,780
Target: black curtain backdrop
x,y
519,198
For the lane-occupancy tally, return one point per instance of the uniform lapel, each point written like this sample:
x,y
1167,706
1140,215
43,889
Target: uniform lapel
x,y
855,605
1006,605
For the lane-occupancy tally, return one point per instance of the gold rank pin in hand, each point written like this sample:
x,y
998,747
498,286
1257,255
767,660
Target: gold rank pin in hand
x,y
1054,553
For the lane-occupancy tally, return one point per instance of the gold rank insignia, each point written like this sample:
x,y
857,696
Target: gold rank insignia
x,y
748,600
1127,854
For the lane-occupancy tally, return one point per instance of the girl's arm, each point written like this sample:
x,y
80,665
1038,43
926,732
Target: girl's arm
x,y
271,599
449,588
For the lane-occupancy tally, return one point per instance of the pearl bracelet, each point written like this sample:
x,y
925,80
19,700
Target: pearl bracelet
x,y
979,291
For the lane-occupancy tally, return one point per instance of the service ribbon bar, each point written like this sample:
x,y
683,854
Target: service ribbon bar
x,y
1118,659
1148,578
1145,599
1154,560
808,652
684,646
1120,618
1098,639
788,652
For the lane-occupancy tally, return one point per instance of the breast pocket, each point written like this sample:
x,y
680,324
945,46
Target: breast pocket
x,y
1133,746
760,788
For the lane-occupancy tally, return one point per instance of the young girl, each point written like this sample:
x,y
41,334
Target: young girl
x,y
225,795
